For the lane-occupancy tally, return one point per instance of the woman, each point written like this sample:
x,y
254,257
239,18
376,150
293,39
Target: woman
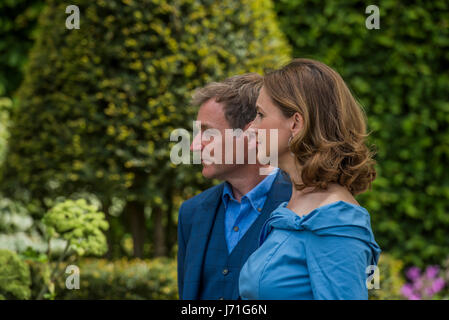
x,y
320,243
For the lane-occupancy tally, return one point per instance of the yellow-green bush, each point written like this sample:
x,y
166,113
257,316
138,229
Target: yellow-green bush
x,y
14,276
390,281
123,279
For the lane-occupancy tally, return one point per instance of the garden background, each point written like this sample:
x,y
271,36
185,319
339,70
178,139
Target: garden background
x,y
86,115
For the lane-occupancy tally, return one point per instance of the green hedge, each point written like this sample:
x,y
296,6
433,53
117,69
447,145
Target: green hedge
x,y
18,20
123,279
400,75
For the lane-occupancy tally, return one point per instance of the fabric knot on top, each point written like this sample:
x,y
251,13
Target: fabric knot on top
x,y
338,218
281,218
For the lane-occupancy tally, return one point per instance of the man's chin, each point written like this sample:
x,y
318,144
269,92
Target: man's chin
x,y
209,172
220,172
214,171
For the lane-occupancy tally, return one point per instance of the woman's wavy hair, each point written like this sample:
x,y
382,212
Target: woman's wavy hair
x,y
331,148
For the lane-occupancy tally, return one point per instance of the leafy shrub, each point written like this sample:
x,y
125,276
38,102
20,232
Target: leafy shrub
x,y
81,226
14,276
78,223
40,273
123,279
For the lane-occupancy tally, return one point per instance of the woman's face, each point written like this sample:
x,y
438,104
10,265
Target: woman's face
x,y
269,116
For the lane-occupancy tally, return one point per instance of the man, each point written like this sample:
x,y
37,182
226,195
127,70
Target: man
x,y
219,228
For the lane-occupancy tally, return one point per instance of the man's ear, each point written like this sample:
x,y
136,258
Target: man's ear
x,y
297,123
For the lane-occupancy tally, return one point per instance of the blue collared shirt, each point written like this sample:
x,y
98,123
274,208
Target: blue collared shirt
x,y
239,216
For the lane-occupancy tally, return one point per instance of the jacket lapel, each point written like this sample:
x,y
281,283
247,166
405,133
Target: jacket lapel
x,y
199,236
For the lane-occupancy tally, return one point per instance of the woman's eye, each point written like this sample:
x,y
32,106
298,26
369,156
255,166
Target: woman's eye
x,y
259,114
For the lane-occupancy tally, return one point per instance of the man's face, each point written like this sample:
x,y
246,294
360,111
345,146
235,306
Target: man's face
x,y
211,116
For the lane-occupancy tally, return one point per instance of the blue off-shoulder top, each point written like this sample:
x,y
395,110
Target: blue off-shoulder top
x,y
321,255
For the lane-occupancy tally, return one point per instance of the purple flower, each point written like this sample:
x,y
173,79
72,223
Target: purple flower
x,y
413,273
423,285
429,291
418,284
438,284
407,290
415,297
432,271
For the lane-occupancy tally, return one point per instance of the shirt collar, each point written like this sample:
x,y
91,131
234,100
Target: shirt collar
x,y
256,194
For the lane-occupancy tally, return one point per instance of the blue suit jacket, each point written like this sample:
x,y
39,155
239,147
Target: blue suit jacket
x,y
195,221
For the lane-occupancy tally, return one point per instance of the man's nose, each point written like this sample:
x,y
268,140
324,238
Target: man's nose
x,y
196,143
251,135
252,126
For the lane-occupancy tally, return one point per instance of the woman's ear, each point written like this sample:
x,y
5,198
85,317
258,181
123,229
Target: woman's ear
x,y
297,123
